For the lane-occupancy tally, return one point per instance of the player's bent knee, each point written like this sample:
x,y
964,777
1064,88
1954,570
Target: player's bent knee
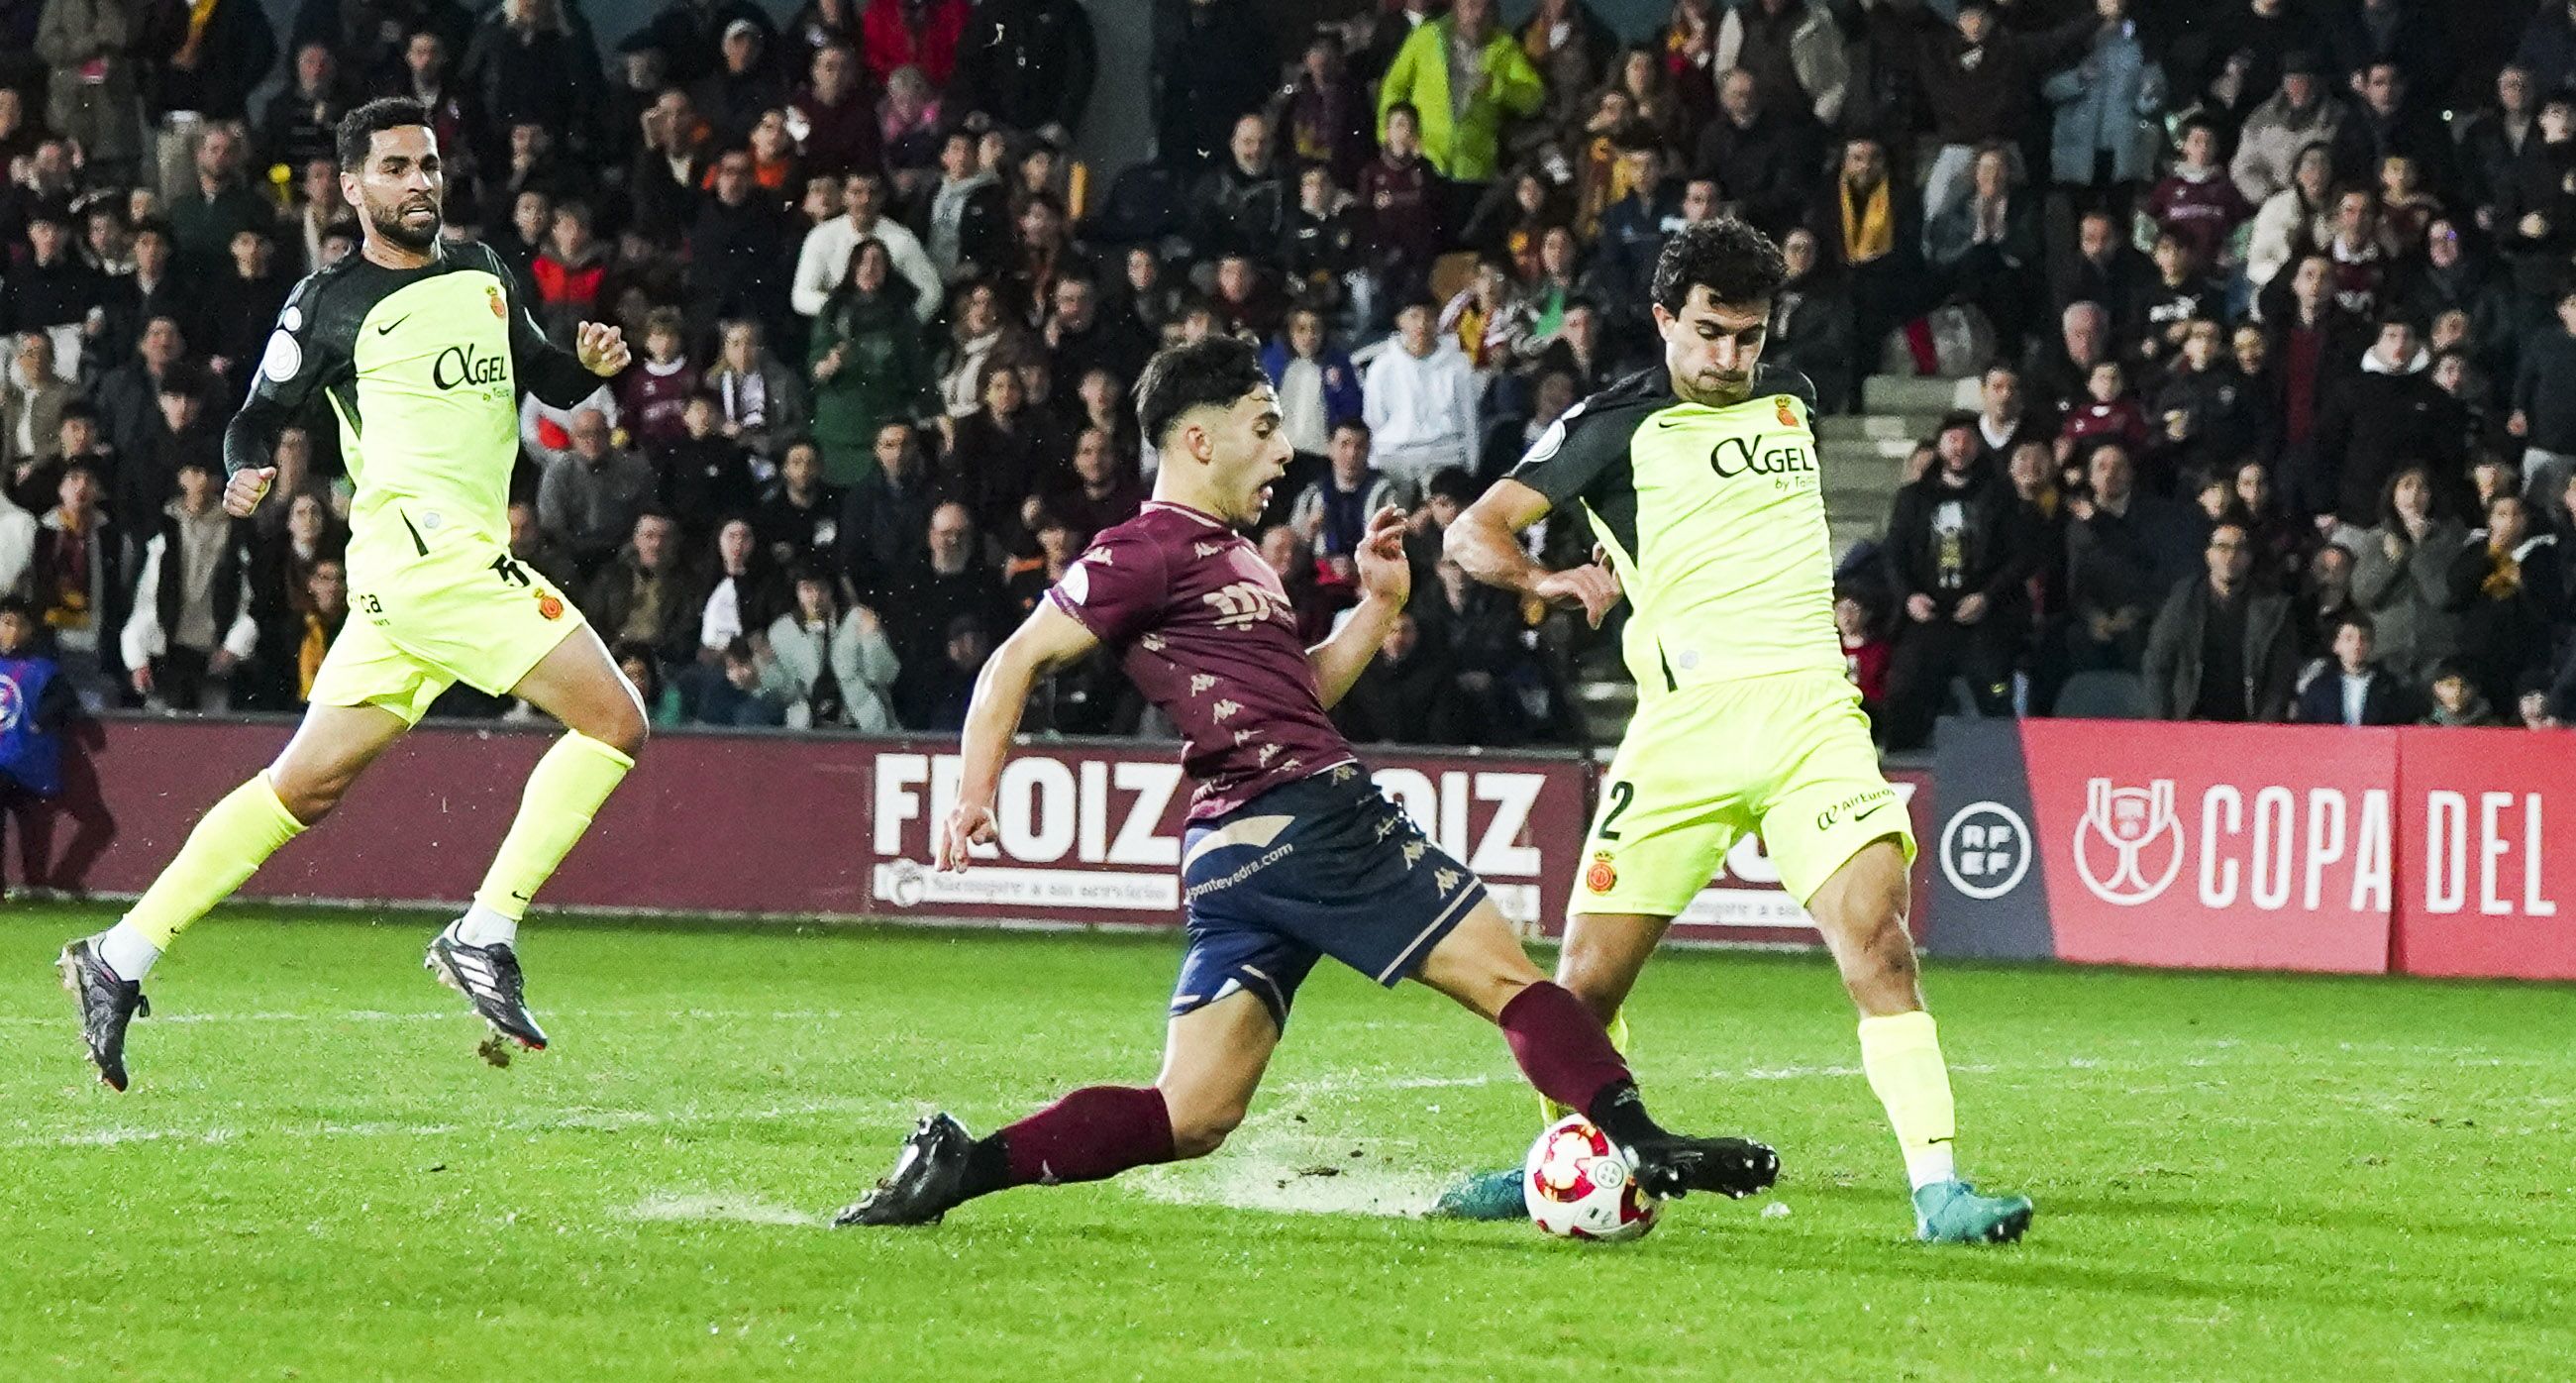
x,y
1198,1132
1601,984
308,797
619,723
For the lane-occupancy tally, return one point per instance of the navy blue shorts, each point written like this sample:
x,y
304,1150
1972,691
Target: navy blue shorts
x,y
1325,866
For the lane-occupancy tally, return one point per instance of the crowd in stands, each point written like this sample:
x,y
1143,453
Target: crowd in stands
x,y
2273,303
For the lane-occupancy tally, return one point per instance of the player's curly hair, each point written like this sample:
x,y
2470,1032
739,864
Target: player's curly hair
x,y
356,135
1736,263
1215,371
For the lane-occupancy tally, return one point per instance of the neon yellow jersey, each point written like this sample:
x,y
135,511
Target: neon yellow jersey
x,y
1714,519
422,369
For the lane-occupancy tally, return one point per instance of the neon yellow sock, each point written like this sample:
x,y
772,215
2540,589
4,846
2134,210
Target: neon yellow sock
x,y
1902,1055
228,845
563,794
1549,1111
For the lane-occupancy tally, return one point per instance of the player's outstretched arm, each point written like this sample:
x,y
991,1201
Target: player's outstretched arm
x,y
1386,580
1485,541
1047,640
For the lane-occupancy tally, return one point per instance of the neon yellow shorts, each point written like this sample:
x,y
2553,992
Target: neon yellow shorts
x,y
1788,757
465,611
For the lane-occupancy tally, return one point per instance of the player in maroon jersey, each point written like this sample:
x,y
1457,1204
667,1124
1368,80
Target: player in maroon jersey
x,y
1291,854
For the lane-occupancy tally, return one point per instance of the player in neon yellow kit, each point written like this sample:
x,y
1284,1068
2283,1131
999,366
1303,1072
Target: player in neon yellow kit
x,y
1699,478
418,349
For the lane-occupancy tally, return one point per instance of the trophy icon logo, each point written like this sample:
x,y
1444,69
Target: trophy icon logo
x,y
2128,847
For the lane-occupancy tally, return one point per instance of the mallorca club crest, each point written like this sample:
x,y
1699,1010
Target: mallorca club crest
x,y
550,605
2128,847
1788,411
499,308
1601,875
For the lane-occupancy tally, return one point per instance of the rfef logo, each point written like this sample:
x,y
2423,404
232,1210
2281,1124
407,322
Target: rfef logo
x,y
2128,847
1986,850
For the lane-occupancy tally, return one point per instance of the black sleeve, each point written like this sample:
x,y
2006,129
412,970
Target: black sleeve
x,y
543,368
1577,454
304,352
1082,66
1904,545
56,705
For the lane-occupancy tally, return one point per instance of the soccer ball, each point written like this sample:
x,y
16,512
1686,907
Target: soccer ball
x,y
1577,1186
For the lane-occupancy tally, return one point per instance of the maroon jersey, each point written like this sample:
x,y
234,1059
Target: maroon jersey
x,y
1203,628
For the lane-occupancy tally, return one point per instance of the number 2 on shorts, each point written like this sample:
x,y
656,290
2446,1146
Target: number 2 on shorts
x,y
1622,793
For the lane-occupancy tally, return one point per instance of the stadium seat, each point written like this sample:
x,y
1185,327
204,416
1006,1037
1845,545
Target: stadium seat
x,y
2103,696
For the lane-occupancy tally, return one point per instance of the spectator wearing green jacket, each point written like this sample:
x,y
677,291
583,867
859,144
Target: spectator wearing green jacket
x,y
1464,74
867,362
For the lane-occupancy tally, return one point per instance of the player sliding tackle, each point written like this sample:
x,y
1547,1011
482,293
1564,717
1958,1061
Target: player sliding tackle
x,y
1699,478
421,350
1291,852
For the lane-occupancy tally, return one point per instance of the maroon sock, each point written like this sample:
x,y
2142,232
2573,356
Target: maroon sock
x,y
1561,1046
1091,1134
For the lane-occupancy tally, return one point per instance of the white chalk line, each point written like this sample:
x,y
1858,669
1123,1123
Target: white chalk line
x,y
733,1208
367,1016
569,1121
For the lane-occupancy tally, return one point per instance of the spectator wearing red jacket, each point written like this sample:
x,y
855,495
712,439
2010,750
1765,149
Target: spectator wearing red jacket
x,y
2109,412
913,33
568,272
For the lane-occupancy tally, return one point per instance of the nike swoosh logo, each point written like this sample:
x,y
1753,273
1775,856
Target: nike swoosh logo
x,y
389,326
1671,422
1864,816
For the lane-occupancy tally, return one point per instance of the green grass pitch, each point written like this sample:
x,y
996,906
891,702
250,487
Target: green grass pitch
x,y
2238,1177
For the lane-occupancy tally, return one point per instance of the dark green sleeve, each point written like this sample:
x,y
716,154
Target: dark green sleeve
x,y
1580,455
308,348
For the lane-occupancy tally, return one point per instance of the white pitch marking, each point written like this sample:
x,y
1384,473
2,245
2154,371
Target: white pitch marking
x,y
577,1120
713,1205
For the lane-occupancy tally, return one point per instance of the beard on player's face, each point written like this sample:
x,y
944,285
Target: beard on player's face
x,y
393,220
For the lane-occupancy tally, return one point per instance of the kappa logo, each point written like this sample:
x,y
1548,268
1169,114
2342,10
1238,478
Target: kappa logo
x,y
1292,765
1985,850
1413,851
1226,710
1200,682
1207,549
1268,752
1244,736
1386,826
1345,773
1242,604
1153,642
1447,879
2128,847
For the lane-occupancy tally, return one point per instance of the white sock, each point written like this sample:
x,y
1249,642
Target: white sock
x,y
480,926
125,951
1924,1166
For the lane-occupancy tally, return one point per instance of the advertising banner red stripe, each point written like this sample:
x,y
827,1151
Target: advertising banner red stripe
x,y
2487,868
2216,846
792,825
